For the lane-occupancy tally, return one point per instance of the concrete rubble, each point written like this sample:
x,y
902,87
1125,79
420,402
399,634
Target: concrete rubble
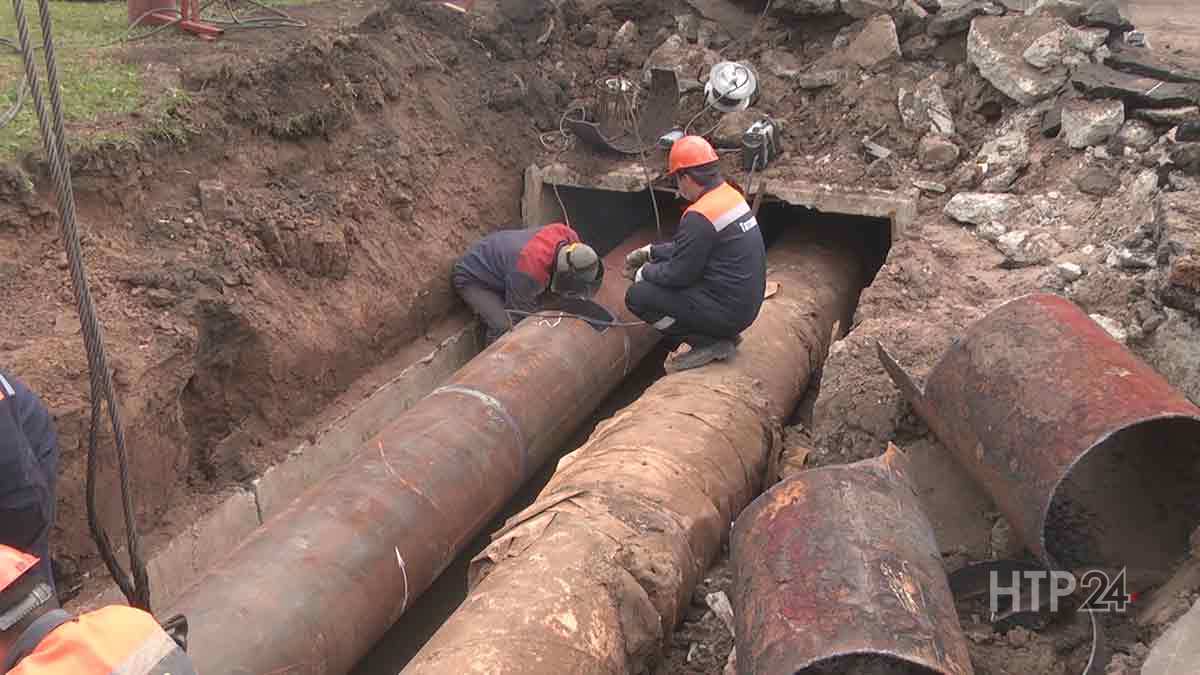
x,y
808,7
1022,248
1178,234
925,108
1002,160
877,45
997,46
978,208
1087,123
937,153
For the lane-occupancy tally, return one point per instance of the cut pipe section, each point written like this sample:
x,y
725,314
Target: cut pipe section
x,y
1089,453
594,575
314,588
838,570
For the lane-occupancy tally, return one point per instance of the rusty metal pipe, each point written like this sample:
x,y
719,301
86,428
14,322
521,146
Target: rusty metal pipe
x,y
593,575
1089,453
314,588
837,570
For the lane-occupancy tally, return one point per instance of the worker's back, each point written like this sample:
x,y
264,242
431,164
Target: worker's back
x,y
116,639
736,274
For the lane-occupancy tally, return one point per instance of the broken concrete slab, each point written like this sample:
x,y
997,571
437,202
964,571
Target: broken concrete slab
x,y
877,46
1069,272
865,9
1186,156
1106,14
919,47
1069,10
898,206
937,153
1097,81
1049,50
1088,123
1145,63
996,45
1137,134
1168,116
1022,248
979,208
955,20
821,75
807,7
780,63
1177,223
1087,40
1002,160
1174,351
925,108
1177,651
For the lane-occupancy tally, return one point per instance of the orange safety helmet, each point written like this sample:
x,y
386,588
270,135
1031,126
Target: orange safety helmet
x,y
690,152
13,565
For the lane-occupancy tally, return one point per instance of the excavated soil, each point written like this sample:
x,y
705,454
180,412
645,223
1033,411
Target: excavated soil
x,y
305,231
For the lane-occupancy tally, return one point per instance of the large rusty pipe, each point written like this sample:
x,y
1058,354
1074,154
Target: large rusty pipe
x,y
593,575
1089,453
837,570
314,588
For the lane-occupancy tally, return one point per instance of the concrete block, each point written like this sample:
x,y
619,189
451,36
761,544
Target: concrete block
x,y
310,462
173,568
899,207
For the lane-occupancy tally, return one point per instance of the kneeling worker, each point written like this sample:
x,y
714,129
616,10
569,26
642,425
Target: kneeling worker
x,y
514,269
706,286
38,638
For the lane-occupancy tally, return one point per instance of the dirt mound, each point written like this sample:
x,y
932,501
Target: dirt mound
x,y
246,279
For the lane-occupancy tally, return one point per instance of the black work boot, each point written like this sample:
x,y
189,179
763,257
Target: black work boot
x,y
696,357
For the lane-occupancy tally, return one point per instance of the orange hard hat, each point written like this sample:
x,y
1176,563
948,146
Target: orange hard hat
x,y
14,564
689,152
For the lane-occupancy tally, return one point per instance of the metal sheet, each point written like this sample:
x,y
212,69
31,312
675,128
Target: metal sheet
x,y
314,588
1090,453
838,567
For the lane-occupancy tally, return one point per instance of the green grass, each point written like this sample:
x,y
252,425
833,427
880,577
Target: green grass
x,y
95,83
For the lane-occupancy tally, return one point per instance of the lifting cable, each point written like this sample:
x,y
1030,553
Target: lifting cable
x,y
136,590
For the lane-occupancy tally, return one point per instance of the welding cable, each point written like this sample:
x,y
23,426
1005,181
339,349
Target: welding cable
x,y
570,315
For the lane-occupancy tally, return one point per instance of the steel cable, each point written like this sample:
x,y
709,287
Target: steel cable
x,y
53,138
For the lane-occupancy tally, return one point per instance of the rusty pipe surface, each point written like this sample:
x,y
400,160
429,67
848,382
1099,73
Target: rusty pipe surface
x,y
836,569
593,575
1089,453
315,587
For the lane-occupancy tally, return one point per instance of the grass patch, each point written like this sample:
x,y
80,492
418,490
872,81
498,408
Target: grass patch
x,y
95,83
92,84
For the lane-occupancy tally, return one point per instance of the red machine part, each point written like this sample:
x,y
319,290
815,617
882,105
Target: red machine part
x,y
161,12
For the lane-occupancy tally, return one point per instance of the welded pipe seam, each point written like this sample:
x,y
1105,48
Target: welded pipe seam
x,y
496,406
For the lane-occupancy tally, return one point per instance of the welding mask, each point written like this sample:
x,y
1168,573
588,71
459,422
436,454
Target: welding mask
x,y
578,272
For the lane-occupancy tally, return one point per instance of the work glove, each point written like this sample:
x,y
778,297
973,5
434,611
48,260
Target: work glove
x,y
635,260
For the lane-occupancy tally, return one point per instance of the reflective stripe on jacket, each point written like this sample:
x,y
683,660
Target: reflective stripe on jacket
x,y
116,640
718,252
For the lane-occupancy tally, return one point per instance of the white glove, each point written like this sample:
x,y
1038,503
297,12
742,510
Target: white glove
x,y
638,277
638,257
